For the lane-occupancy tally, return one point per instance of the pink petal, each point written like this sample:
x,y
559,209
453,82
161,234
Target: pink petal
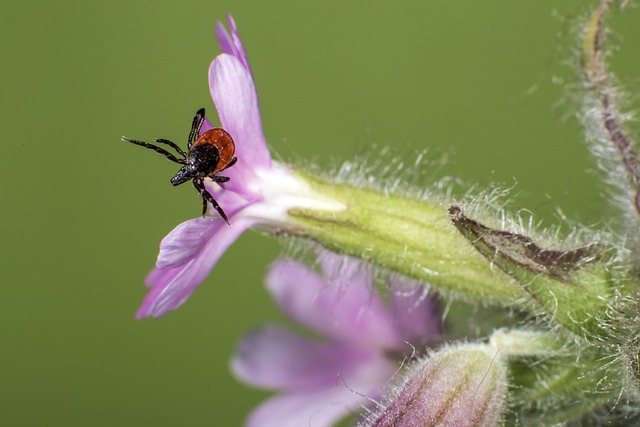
x,y
416,313
224,40
172,287
155,280
347,310
205,126
232,44
336,267
236,100
186,240
272,357
320,408
156,275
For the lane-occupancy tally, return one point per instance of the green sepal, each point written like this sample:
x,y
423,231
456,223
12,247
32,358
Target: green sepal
x,y
573,287
558,389
550,384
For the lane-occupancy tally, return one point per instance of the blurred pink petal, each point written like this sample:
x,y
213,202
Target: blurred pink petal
x,y
417,315
311,408
321,382
273,357
347,311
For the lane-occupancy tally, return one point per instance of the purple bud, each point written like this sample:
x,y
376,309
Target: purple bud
x,y
457,386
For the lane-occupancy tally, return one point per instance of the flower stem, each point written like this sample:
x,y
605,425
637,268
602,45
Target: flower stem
x,y
598,83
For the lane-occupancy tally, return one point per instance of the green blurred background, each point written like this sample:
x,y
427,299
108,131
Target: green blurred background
x,y
83,213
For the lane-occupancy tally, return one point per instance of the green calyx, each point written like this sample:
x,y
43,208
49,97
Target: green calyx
x,y
559,389
413,237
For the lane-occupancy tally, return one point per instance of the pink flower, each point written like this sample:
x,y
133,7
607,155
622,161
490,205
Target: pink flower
x,y
261,191
322,382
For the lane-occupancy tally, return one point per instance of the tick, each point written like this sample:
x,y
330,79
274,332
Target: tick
x,y
206,156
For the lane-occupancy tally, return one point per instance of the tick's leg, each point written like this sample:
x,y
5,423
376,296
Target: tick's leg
x,y
171,144
206,197
155,148
201,189
204,205
231,163
217,178
198,120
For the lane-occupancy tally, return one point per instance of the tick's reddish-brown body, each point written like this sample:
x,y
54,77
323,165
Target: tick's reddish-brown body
x,y
206,155
222,142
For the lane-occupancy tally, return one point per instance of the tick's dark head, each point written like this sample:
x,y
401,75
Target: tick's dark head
x,y
186,173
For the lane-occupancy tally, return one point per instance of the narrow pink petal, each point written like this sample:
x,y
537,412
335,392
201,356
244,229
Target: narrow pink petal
x,y
232,44
236,100
320,408
273,357
157,275
155,280
186,240
241,53
347,310
172,287
224,40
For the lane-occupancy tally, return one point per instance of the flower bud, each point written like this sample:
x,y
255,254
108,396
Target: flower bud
x,y
458,386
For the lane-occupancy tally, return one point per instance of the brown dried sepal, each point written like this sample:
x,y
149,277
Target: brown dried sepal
x,y
507,249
